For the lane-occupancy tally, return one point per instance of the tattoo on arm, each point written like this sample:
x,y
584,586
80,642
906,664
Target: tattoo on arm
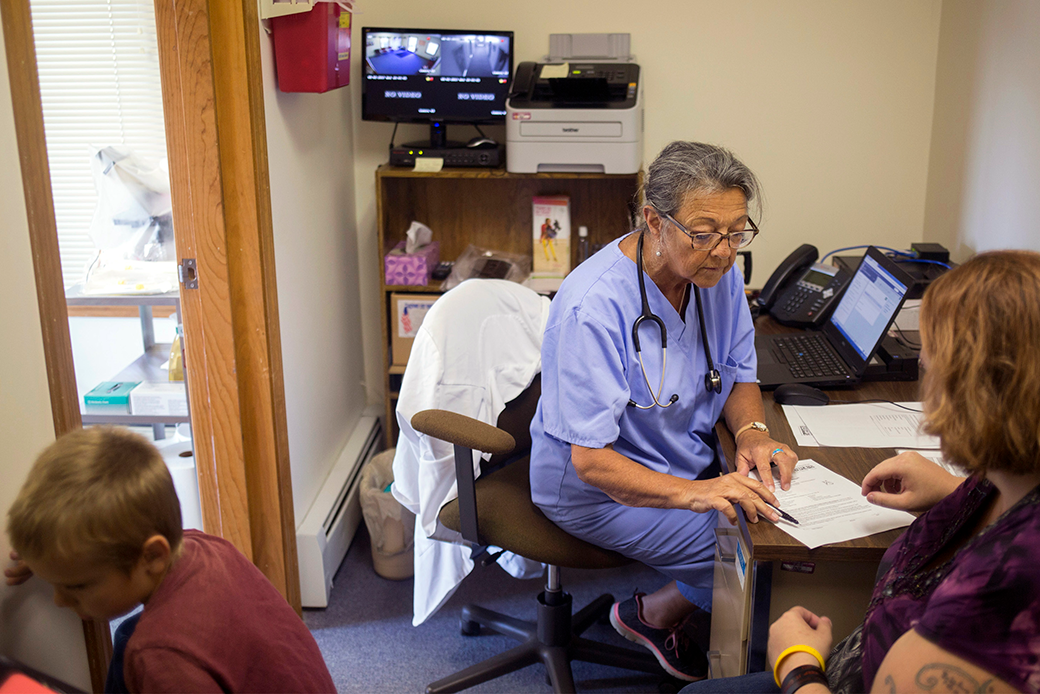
x,y
891,684
943,677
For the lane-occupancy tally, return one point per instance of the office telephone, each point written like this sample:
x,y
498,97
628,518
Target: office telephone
x,y
802,292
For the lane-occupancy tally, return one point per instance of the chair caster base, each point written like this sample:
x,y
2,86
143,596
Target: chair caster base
x,y
555,640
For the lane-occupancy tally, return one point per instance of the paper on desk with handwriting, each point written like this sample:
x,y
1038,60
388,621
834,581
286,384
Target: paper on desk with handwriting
x,y
862,425
830,508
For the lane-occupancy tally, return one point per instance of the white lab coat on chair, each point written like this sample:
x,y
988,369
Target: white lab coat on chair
x,y
478,348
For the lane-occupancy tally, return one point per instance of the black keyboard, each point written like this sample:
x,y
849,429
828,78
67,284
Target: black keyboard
x,y
808,356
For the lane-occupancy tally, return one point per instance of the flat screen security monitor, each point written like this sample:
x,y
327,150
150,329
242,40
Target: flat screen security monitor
x,y
436,77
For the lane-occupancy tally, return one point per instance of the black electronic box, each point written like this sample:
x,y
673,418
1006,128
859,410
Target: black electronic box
x,y
893,361
453,156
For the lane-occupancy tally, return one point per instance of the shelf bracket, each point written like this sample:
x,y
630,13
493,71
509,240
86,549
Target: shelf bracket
x,y
187,273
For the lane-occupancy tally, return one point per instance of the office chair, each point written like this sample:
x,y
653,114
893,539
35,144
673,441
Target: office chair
x,y
496,510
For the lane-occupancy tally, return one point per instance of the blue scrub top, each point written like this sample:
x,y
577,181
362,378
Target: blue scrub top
x,y
590,370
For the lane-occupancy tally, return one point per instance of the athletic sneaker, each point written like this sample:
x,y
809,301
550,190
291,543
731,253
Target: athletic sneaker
x,y
676,648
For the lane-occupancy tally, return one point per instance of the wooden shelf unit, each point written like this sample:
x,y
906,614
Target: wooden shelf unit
x,y
489,208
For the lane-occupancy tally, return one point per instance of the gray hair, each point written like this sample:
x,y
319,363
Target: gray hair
x,y
687,167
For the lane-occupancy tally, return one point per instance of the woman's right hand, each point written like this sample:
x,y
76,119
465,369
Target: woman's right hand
x,y
908,482
721,493
19,573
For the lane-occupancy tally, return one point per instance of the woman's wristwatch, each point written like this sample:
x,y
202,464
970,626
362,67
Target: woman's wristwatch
x,y
757,426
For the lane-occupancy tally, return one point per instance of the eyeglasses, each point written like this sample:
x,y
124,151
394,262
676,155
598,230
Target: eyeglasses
x,y
708,240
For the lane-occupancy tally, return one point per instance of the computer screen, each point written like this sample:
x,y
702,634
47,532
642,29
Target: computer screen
x,y
868,305
436,76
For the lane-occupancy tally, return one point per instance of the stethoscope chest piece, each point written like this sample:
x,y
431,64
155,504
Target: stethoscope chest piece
x,y
713,382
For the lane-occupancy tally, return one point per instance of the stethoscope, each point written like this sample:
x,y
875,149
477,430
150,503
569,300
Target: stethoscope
x,y
712,379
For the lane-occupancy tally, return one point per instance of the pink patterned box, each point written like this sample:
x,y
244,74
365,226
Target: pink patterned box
x,y
411,268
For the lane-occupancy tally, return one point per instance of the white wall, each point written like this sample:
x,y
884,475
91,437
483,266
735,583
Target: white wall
x,y
310,149
984,174
830,103
32,629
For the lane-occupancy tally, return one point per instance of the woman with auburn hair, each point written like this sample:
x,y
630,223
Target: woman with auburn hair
x,y
957,606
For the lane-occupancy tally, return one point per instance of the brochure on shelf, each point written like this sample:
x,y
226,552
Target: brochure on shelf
x,y
551,222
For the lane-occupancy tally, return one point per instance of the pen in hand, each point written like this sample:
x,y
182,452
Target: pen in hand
x,y
783,514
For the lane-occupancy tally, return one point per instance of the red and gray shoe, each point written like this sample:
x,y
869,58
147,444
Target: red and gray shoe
x,y
674,647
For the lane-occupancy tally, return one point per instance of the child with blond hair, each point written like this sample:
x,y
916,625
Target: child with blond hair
x,y
98,519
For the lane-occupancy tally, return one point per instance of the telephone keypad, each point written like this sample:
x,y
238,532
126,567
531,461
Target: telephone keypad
x,y
803,302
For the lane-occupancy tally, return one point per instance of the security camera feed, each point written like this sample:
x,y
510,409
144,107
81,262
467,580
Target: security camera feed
x,y
447,76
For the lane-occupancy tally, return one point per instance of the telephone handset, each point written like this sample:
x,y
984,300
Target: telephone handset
x,y
802,292
523,81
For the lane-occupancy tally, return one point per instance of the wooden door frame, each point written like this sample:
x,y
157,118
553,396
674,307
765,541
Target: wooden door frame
x,y
209,57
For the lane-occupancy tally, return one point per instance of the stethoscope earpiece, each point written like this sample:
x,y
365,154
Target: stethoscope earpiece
x,y
712,379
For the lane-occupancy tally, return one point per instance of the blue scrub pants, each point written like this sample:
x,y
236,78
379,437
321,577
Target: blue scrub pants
x,y
678,543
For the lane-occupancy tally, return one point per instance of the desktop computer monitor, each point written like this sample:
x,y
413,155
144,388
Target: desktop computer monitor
x,y
436,76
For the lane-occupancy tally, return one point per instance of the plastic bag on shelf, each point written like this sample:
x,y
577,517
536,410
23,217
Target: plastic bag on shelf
x,y
482,263
132,226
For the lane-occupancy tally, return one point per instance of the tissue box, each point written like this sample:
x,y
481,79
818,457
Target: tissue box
x,y
411,268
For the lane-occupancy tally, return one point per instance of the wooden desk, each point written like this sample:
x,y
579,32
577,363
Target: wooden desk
x,y
776,566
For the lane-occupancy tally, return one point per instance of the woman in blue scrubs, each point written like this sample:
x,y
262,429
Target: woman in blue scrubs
x,y
622,442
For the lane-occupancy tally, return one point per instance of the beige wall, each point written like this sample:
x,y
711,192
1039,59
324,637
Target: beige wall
x,y
830,103
984,174
309,144
32,629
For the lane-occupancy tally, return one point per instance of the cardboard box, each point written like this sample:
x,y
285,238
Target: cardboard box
x,y
160,399
407,312
110,397
411,268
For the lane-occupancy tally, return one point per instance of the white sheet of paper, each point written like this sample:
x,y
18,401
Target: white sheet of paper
x,y
428,164
830,508
861,425
554,71
802,433
937,458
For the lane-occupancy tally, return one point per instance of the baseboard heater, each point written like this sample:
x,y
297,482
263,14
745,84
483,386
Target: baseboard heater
x,y
325,534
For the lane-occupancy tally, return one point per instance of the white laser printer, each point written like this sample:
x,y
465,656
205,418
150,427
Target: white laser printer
x,y
576,115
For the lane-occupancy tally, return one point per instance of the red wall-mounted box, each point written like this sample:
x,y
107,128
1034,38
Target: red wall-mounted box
x,y
312,49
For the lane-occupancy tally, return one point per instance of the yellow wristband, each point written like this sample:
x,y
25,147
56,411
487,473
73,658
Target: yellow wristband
x,y
800,648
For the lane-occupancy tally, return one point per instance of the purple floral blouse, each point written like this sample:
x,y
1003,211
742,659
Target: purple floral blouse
x,y
982,605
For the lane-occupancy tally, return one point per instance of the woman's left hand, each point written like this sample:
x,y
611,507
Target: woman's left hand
x,y
755,449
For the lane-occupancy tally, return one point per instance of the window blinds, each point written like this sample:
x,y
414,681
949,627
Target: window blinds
x,y
99,83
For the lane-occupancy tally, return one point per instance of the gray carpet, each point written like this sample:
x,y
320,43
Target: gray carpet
x,y
370,645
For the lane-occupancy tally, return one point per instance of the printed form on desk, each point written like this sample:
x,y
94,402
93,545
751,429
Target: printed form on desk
x,y
830,508
859,425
